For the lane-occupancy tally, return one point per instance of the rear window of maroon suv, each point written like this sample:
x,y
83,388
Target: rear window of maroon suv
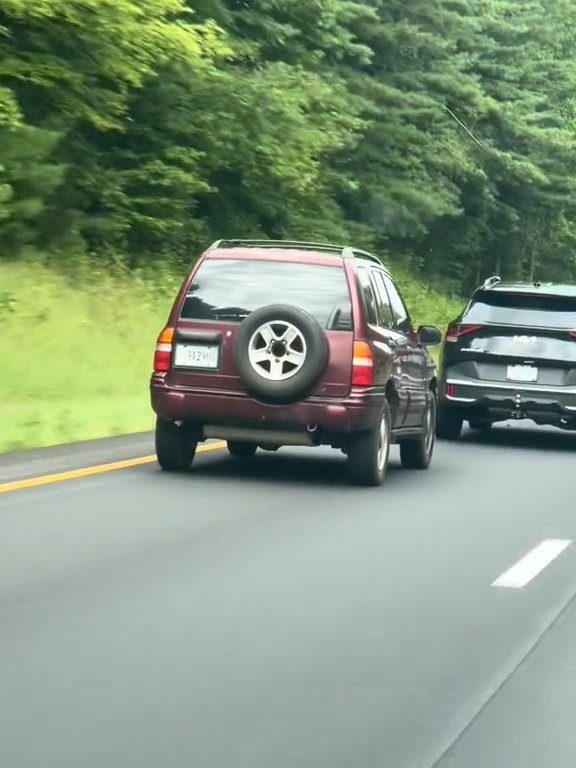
x,y
228,290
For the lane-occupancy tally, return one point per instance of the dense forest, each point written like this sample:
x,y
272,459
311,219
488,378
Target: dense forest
x,y
439,132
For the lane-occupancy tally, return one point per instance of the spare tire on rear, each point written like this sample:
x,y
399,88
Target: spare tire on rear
x,y
280,352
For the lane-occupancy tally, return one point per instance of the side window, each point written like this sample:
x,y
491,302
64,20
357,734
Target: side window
x,y
368,298
398,306
385,315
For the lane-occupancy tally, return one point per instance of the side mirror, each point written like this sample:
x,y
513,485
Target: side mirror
x,y
429,335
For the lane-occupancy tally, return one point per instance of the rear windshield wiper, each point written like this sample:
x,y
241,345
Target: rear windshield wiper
x,y
230,313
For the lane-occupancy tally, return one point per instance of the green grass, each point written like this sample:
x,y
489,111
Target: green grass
x,y
76,357
427,305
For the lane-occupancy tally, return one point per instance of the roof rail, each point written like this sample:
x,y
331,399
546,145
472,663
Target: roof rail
x,y
298,244
491,281
346,252
355,253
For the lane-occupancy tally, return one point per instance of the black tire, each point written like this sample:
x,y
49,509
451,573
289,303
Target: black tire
x,y
479,425
175,446
448,424
301,381
417,454
241,450
367,463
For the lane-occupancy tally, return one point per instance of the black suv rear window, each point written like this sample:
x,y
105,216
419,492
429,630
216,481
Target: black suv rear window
x,y
229,289
532,310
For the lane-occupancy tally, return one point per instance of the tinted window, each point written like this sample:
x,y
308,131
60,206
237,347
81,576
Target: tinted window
x,y
386,318
229,289
368,297
503,308
398,307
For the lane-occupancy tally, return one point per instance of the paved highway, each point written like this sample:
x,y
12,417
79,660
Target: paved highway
x,y
273,617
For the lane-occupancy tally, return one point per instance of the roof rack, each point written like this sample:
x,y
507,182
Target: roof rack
x,y
491,281
355,253
298,244
346,252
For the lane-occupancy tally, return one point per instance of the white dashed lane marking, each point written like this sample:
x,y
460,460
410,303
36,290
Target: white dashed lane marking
x,y
532,564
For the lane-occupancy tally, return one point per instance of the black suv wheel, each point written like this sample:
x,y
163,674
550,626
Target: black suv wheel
x,y
480,425
448,424
241,450
175,446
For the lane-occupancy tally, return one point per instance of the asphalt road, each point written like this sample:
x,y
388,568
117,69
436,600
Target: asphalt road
x,y
271,616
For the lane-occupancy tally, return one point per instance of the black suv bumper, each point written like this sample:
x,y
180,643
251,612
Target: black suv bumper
x,y
499,401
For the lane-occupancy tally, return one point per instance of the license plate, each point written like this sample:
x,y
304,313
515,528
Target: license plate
x,y
525,373
196,356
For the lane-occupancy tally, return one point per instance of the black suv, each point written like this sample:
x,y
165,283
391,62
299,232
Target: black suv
x,y
511,354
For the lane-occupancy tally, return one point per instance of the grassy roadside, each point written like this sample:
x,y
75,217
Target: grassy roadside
x,y
76,357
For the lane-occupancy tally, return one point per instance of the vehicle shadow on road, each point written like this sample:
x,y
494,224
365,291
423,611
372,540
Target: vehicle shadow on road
x,y
289,467
524,438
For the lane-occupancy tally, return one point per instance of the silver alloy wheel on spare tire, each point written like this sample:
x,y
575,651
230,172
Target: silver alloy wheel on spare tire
x,y
277,350
280,353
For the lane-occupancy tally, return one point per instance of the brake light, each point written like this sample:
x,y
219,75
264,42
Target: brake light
x,y
455,332
163,351
450,390
362,365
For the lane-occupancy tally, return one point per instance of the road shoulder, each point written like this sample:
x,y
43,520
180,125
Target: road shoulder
x,y
23,465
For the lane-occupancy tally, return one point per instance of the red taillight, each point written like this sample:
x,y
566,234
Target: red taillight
x,y
163,352
455,332
450,390
362,365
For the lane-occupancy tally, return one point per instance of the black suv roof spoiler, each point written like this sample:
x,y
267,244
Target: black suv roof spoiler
x,y
346,252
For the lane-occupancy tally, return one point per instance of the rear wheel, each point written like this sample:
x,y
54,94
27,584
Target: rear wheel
x,y
241,450
175,446
417,454
448,424
368,454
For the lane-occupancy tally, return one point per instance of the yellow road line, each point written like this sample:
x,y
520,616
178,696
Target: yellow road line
x,y
100,469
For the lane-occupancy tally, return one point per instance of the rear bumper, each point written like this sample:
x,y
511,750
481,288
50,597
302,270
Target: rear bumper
x,y
359,411
504,400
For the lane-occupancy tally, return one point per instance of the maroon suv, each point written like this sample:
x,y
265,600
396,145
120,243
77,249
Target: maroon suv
x,y
286,343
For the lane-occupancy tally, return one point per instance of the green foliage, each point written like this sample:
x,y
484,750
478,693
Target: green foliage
x,y
440,130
